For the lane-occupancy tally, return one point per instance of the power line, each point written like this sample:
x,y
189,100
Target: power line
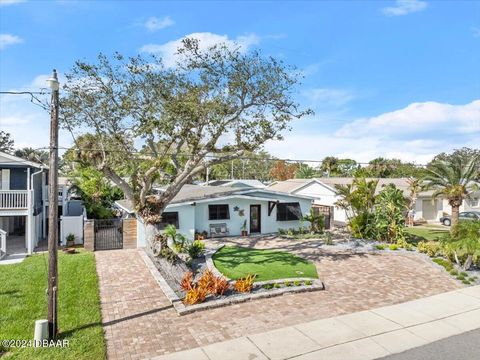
x,y
215,157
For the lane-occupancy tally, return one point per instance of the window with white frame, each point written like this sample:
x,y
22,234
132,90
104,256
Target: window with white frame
x,y
474,202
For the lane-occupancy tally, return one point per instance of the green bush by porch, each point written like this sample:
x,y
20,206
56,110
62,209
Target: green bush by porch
x,y
237,262
23,300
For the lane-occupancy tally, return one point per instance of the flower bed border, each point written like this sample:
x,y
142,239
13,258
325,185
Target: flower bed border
x,y
236,298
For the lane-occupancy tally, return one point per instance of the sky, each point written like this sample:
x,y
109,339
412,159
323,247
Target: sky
x,y
397,79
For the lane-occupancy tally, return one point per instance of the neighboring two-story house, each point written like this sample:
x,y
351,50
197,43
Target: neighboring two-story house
x,y
23,204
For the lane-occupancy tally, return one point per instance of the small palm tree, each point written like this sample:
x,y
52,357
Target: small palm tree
x,y
453,179
304,172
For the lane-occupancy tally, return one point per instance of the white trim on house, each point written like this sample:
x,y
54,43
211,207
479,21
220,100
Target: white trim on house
x,y
18,160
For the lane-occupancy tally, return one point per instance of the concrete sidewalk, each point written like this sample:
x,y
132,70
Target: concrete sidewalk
x,y
364,335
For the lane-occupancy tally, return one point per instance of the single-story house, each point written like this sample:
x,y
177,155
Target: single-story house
x,y
223,211
324,193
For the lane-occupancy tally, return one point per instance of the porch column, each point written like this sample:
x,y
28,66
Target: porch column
x,y
30,228
29,185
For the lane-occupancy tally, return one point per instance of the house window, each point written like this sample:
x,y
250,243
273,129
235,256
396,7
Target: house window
x,y
288,211
474,202
169,218
218,212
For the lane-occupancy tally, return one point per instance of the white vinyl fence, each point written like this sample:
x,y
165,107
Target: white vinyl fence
x,y
3,243
71,225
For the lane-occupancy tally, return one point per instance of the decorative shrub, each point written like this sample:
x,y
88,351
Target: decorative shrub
x,y
431,248
187,281
196,249
268,286
308,282
277,286
454,272
245,284
445,263
402,243
220,286
207,281
288,283
195,295
393,247
296,283
328,236
464,242
168,254
380,247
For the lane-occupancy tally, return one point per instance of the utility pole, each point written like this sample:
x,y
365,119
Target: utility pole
x,y
53,210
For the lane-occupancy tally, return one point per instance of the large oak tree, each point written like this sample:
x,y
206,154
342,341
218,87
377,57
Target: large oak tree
x,y
140,123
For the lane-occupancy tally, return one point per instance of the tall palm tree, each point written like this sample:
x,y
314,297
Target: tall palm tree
x,y
329,165
454,180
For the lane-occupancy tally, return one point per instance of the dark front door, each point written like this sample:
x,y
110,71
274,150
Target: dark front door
x,y
255,219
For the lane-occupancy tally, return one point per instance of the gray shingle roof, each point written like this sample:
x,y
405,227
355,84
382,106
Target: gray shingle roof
x,y
292,184
191,193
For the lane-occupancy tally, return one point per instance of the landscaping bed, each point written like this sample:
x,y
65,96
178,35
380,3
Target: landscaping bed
x,y
23,300
253,274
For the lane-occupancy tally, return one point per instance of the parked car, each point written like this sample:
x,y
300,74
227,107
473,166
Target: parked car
x,y
467,215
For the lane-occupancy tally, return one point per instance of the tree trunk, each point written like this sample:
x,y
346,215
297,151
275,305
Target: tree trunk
x,y
455,214
468,262
150,232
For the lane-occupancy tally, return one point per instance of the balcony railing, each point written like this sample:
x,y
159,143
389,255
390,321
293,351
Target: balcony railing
x,y
13,199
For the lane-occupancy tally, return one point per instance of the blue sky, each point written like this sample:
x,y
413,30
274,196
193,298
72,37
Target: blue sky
x,y
385,78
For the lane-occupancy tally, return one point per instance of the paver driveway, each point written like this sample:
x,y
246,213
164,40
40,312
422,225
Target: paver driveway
x,y
139,321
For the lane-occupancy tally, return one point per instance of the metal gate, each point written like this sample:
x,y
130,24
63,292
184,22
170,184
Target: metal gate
x,y
327,212
108,234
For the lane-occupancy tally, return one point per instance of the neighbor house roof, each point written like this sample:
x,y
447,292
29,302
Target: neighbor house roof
x,y
236,183
293,185
10,159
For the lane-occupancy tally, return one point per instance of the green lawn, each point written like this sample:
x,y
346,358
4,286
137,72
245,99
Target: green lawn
x,y
23,300
236,262
425,233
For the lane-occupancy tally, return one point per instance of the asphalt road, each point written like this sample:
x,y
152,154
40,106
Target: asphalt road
x,y
465,346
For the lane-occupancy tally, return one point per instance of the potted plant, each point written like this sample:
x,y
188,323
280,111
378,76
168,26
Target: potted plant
x,y
244,228
70,239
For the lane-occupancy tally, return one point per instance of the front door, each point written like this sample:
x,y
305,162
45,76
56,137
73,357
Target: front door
x,y
255,219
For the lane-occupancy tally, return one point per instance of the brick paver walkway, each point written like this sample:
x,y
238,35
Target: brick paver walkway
x,y
139,321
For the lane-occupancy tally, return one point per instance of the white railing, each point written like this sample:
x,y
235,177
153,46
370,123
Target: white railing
x,y
3,243
13,199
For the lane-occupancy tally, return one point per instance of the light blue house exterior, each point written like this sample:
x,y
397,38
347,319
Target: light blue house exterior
x,y
206,208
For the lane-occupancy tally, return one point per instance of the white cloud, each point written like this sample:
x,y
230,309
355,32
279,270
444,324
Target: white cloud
x,y
28,123
328,97
9,39
419,117
168,51
154,23
404,7
476,31
416,133
10,2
